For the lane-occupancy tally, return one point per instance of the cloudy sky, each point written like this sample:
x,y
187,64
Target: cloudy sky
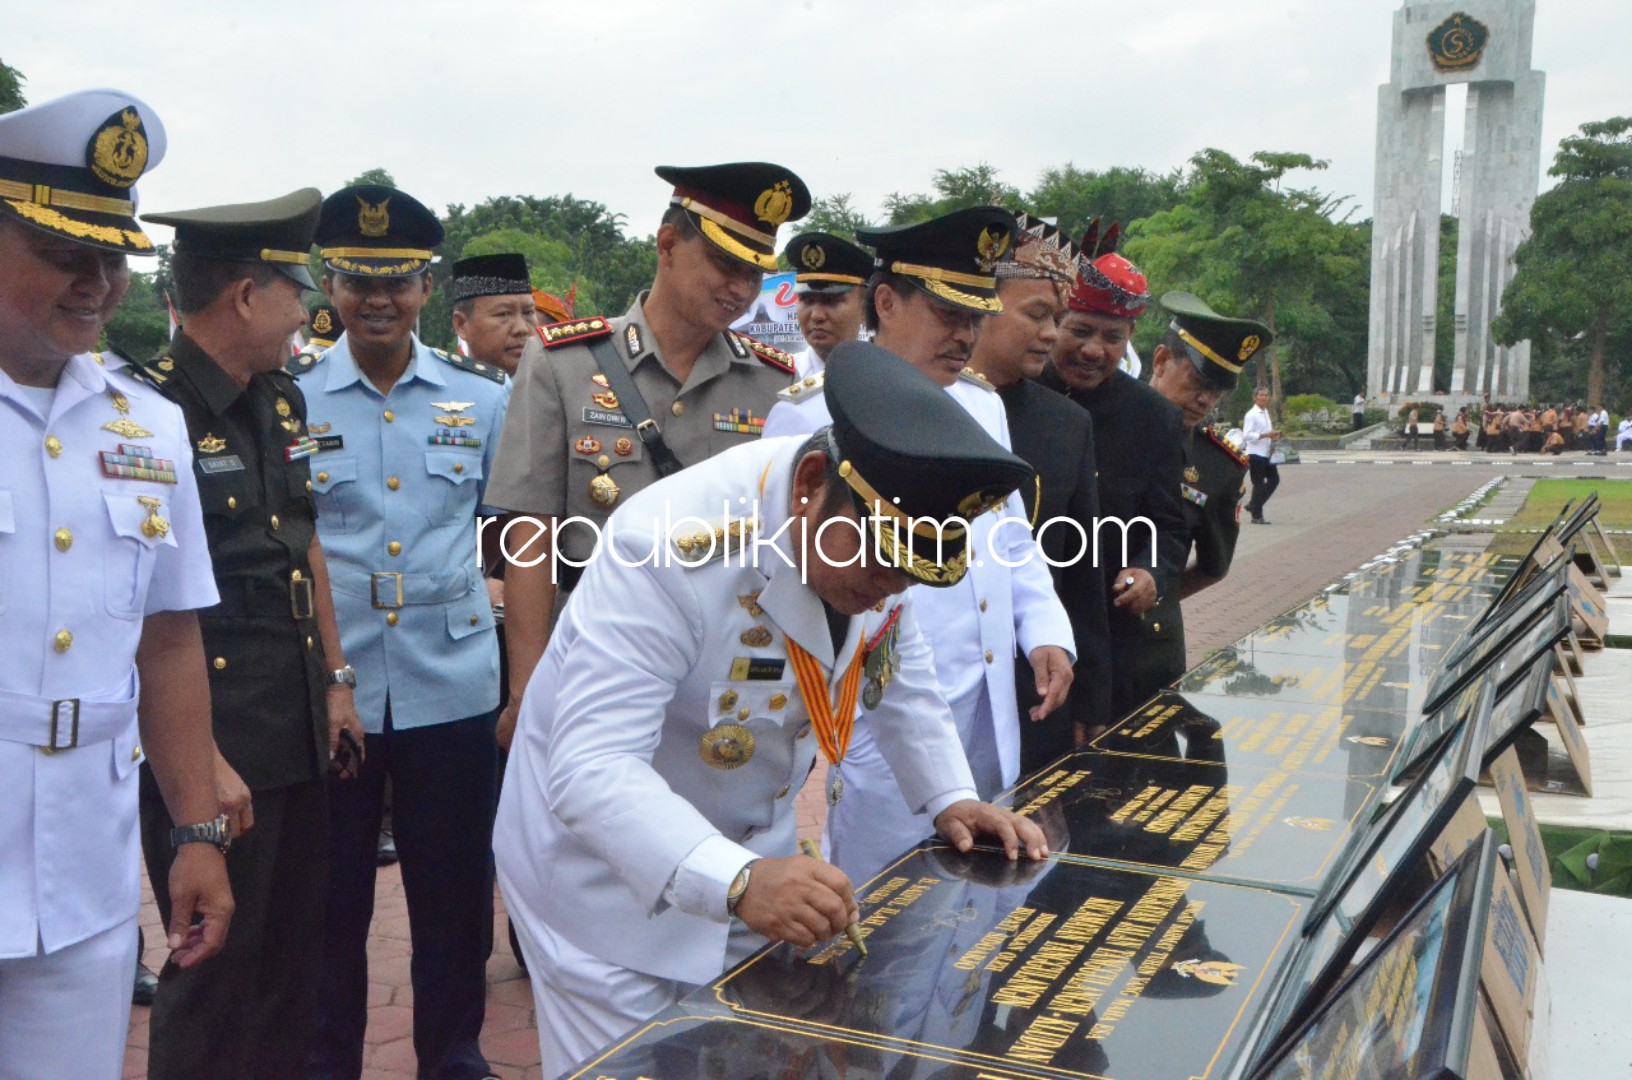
x,y
465,100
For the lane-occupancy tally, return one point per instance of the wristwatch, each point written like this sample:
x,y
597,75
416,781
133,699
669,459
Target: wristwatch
x,y
346,676
215,832
739,885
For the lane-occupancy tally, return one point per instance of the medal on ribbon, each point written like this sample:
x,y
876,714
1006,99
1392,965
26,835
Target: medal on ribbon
x,y
832,725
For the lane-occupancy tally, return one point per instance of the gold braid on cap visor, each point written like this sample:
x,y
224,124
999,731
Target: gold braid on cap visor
x,y
903,556
1197,344
934,280
847,279
718,228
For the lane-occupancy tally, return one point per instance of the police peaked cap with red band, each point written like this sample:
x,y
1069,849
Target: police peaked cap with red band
x,y
739,206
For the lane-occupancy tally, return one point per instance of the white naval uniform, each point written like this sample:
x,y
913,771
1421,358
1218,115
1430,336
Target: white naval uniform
x,y
806,362
79,575
615,838
972,628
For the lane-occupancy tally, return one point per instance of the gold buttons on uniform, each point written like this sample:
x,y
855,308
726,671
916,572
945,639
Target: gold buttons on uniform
x,y
294,575
274,521
988,656
393,483
64,640
309,643
783,793
391,618
322,477
220,663
743,714
394,548
65,539
458,467
232,502
678,408
389,416
983,605
604,462
53,445
1156,627
308,485
474,620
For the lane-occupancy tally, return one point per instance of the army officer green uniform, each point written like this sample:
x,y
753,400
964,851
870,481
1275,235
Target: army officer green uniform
x,y
240,272
603,407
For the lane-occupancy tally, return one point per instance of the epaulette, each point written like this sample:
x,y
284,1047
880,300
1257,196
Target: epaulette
x,y
977,378
1223,444
147,373
303,361
715,539
474,366
563,333
808,387
769,355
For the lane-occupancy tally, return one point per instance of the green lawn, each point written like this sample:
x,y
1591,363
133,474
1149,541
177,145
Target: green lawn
x,y
1548,497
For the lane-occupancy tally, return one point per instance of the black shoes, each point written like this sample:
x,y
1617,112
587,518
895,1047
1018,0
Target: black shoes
x,y
386,852
1259,519
147,984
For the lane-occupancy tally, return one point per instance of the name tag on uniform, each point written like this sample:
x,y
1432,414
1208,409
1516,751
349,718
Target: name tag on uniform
x,y
747,668
224,463
329,442
608,419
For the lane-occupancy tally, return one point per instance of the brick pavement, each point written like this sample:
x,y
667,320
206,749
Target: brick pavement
x,y
1328,519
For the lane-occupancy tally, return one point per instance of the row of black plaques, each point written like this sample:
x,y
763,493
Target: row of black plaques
x,y
1220,860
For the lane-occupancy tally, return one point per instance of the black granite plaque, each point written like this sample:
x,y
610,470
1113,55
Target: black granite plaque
x,y
1408,1009
1039,969
680,1047
1357,683
1534,620
1226,822
1379,862
1292,736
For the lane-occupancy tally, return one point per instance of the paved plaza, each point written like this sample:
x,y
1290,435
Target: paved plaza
x,y
1331,514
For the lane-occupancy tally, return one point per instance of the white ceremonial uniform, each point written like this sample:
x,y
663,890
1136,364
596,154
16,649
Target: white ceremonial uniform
x,y
806,362
972,629
80,573
617,837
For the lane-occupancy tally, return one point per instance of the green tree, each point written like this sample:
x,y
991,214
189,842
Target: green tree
x,y
1247,245
1572,289
1073,197
372,176
140,325
955,189
833,214
11,88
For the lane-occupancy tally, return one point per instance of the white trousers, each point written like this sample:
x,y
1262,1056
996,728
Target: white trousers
x,y
584,1003
67,1013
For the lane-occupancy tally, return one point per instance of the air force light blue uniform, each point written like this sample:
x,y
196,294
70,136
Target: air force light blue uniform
x,y
397,484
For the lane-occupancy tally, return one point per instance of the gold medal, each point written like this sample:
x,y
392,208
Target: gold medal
x,y
154,527
603,490
1192,475
757,638
728,746
873,693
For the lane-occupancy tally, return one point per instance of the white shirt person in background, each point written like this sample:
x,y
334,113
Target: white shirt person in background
x,y
1261,437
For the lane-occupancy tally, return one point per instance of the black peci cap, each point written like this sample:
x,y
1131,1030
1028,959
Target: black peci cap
x,y
953,257
824,263
490,275
920,466
739,206
370,230
277,232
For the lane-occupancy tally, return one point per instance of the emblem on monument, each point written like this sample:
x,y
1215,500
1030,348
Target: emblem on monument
x,y
1457,43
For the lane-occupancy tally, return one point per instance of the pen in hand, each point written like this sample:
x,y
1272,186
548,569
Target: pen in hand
x,y
853,931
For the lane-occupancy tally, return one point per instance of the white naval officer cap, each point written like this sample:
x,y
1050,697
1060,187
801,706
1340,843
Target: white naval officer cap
x,y
69,166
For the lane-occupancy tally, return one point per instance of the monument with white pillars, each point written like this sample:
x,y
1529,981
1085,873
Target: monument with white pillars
x,y
1485,44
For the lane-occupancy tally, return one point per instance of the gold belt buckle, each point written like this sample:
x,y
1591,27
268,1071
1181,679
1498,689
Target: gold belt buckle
x,y
300,595
57,706
392,582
